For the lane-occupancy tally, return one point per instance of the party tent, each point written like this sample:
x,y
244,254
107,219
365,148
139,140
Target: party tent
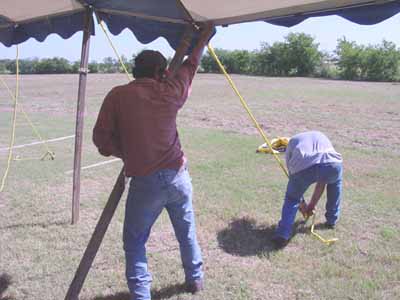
x,y
151,19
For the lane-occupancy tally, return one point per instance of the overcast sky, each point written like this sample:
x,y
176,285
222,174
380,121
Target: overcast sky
x,y
325,30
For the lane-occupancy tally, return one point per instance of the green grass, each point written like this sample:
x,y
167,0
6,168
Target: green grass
x,y
237,196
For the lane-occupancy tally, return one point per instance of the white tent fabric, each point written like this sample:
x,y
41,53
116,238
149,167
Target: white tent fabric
x,y
19,11
221,11
150,19
228,12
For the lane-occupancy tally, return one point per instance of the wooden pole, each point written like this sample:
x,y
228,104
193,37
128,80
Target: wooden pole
x,y
96,239
181,50
112,203
80,112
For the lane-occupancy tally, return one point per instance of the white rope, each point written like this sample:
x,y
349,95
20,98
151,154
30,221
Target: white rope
x,y
96,165
40,142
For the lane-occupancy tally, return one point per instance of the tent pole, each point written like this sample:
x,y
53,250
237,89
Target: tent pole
x,y
113,200
181,50
96,239
80,112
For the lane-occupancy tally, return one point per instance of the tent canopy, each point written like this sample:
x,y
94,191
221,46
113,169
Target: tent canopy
x,y
150,19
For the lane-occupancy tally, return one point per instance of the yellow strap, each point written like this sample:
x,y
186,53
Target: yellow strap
x,y
49,153
130,78
246,107
325,241
12,139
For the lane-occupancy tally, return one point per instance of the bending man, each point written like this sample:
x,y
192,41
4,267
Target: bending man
x,y
310,158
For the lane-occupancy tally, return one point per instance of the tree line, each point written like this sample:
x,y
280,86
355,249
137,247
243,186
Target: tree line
x,y
297,55
59,65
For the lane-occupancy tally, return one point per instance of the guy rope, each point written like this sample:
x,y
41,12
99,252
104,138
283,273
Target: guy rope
x,y
15,99
267,141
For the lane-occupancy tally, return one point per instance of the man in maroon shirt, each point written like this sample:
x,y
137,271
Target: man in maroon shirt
x,y
137,122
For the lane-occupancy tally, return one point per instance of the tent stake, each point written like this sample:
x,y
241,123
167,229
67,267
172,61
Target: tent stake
x,y
80,112
113,200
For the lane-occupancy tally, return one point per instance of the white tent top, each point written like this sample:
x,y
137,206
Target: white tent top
x,y
150,19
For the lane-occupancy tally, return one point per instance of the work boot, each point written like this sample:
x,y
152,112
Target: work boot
x,y
329,226
194,286
279,242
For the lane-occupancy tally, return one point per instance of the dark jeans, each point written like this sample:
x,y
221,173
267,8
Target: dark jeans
x,y
147,197
329,173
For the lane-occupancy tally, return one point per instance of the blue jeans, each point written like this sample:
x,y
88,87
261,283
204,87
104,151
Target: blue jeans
x,y
147,197
329,173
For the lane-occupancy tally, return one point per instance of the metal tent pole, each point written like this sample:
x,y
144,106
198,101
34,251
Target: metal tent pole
x,y
80,112
113,200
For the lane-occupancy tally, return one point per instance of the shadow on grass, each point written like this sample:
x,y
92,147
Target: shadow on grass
x,y
164,293
5,282
244,238
300,227
118,296
168,291
38,224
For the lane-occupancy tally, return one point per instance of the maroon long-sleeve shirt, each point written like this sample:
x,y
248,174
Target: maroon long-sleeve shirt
x,y
137,122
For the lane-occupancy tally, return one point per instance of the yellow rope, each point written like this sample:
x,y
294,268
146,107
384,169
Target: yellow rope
x,y
49,153
12,139
130,78
325,241
246,107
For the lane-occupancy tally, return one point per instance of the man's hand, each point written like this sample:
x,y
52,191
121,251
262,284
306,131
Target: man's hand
x,y
318,191
306,210
206,30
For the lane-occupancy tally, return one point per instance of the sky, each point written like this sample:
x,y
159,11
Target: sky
x,y
249,36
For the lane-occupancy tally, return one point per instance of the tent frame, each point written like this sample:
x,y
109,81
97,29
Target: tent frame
x,y
80,115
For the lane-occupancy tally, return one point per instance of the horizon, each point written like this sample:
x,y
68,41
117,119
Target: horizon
x,y
246,36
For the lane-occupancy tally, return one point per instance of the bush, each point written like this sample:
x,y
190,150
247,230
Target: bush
x,y
376,63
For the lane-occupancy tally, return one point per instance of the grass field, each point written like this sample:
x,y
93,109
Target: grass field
x,y
237,193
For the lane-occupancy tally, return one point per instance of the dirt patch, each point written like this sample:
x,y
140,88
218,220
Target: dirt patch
x,y
355,114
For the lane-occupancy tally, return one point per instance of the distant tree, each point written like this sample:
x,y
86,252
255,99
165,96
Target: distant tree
x,y
374,62
93,67
28,66
109,65
303,55
75,66
327,67
241,61
3,69
258,61
4,63
273,60
381,62
209,65
54,65
11,66
298,55
349,56
126,63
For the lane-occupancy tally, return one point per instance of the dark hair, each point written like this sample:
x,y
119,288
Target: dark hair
x,y
147,62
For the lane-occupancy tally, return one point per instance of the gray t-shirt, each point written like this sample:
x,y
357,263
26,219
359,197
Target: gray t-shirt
x,y
310,148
